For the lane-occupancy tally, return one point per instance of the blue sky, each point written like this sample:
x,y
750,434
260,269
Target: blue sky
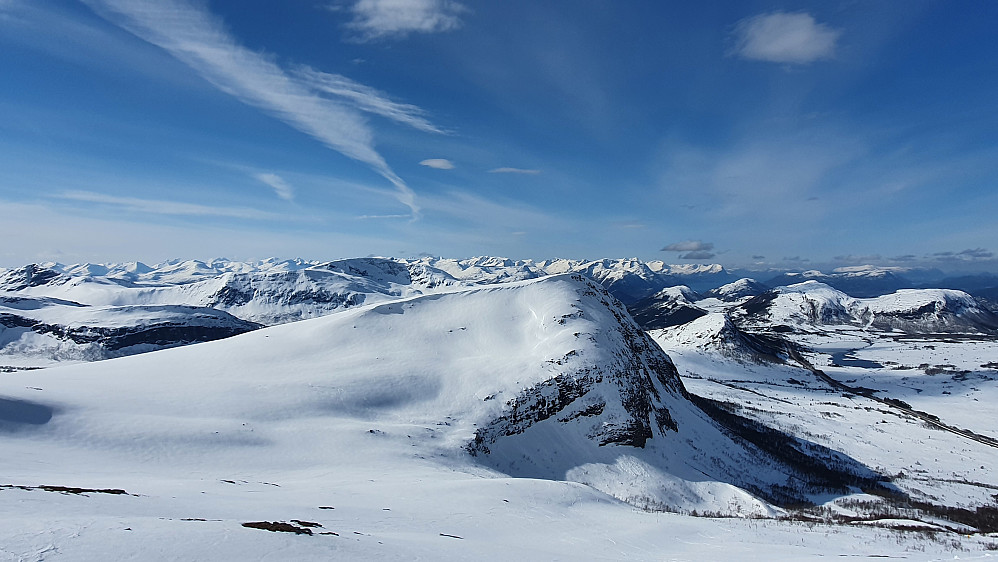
x,y
783,134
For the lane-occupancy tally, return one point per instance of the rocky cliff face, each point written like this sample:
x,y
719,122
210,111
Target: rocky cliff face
x,y
617,401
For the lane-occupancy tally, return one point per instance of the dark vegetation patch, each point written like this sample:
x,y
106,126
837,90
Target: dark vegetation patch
x,y
982,518
68,489
14,369
280,527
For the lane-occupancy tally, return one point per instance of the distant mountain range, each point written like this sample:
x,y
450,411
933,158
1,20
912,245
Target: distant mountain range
x,y
53,312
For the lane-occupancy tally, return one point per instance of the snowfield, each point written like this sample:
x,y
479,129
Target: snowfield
x,y
529,419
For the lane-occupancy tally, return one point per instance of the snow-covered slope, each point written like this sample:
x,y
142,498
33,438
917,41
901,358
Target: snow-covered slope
x,y
545,379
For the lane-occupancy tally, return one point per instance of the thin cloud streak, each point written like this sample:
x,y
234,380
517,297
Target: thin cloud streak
x,y
514,171
161,207
366,98
199,40
375,217
277,183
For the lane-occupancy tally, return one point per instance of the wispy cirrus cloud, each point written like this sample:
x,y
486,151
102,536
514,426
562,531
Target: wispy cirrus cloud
x,y
366,98
162,207
514,171
784,38
277,183
380,19
199,39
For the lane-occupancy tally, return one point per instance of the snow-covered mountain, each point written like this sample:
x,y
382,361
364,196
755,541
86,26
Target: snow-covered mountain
x,y
278,291
907,310
737,290
925,311
546,378
856,281
714,333
89,312
809,302
41,331
669,307
482,403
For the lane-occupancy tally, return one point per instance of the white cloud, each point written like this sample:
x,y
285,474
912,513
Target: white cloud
x,y
277,183
376,19
513,171
161,207
784,38
199,39
438,163
366,98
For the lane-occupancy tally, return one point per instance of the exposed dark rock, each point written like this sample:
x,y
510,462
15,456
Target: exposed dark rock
x,y
278,527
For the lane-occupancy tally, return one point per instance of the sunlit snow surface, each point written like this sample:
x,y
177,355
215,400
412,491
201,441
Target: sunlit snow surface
x,y
358,423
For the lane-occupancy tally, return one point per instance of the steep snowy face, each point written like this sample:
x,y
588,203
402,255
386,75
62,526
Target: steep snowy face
x,y
613,386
